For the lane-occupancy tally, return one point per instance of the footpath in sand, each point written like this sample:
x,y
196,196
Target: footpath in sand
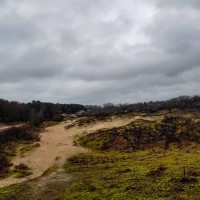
x,y
56,145
4,127
55,142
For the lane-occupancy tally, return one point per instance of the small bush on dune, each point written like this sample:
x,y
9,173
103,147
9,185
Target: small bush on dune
x,y
4,164
14,134
8,141
21,166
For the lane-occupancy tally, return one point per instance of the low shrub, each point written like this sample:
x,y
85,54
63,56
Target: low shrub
x,y
4,164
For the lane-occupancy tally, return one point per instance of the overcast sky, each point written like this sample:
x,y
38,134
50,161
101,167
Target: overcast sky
x,y
97,51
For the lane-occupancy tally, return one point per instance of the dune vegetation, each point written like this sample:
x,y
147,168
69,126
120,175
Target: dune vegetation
x,y
157,159
130,156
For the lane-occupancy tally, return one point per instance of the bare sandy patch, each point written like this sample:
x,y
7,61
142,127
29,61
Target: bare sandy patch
x,y
56,142
5,126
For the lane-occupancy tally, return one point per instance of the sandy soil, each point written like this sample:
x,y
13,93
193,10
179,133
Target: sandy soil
x,y
57,142
4,126
115,122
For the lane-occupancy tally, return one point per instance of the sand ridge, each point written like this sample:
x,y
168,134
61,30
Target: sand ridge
x,y
58,142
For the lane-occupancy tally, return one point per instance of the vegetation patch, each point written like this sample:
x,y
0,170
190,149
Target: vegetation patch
x,y
142,174
89,120
140,135
4,165
25,148
10,141
22,170
157,159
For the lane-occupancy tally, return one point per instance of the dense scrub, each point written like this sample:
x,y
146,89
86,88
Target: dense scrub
x,y
9,139
16,134
142,134
4,164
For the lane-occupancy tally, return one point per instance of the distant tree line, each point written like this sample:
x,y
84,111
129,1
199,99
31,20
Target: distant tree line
x,y
34,113
182,102
38,111
12,111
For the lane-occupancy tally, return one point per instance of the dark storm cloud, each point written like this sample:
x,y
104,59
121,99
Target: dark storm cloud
x,y
99,51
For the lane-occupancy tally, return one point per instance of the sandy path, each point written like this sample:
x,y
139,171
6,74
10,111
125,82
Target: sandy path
x,y
57,142
114,123
4,127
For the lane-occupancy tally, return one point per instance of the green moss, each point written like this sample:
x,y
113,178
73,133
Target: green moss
x,y
19,192
140,175
115,175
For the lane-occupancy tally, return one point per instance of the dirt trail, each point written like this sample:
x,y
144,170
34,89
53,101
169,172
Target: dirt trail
x,y
4,127
115,122
56,145
55,142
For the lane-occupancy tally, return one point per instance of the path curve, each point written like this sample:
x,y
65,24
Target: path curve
x,y
57,142
5,127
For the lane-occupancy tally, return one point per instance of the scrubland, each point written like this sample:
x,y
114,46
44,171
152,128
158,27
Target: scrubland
x,y
128,156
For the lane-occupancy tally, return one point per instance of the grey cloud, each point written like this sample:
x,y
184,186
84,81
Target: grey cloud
x,y
37,63
15,29
99,51
179,32
177,40
3,2
179,3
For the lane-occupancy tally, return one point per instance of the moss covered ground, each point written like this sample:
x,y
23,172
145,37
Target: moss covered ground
x,y
150,174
